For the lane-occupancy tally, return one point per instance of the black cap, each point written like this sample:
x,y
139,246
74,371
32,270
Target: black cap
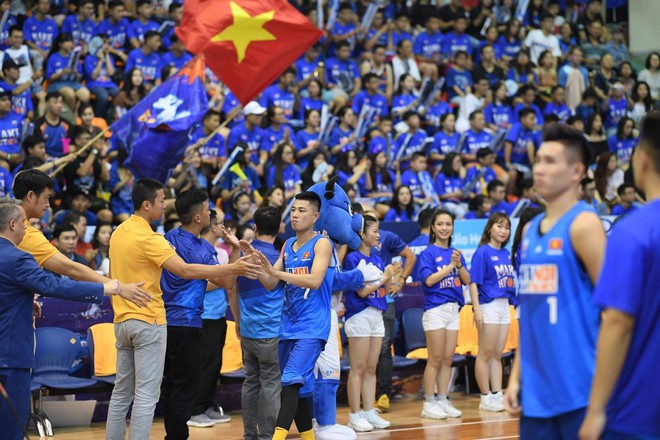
x,y
8,63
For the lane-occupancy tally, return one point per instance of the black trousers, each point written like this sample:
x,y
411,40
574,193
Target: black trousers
x,y
181,378
214,332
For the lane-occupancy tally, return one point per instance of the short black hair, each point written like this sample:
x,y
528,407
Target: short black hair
x,y
53,95
61,228
31,180
267,219
145,191
525,112
210,113
142,3
357,208
649,137
623,187
571,139
477,201
72,217
150,34
14,29
586,181
115,3
484,152
31,141
188,202
311,197
493,184
475,113
368,77
342,44
424,218
417,155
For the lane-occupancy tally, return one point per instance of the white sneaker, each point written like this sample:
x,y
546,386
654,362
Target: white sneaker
x,y
490,403
377,421
200,421
499,396
448,408
431,410
333,432
358,423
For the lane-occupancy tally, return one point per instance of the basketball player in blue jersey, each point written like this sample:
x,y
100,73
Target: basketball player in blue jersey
x,y
305,266
561,256
624,401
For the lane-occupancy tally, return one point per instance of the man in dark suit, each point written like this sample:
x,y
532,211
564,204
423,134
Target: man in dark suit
x,y
20,278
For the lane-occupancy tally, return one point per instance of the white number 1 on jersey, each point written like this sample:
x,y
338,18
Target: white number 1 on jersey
x,y
552,303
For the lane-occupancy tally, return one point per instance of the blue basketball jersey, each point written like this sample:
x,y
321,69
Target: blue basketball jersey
x,y
306,313
558,320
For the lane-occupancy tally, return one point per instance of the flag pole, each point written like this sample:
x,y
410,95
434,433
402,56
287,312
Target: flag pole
x,y
81,150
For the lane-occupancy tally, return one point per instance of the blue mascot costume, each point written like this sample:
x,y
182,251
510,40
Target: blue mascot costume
x,y
343,227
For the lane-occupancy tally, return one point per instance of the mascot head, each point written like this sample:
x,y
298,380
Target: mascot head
x,y
336,215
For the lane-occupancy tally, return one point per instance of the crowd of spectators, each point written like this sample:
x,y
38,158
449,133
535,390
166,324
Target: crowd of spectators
x,y
434,103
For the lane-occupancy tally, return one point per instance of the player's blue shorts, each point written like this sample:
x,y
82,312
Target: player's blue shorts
x,y
297,360
562,427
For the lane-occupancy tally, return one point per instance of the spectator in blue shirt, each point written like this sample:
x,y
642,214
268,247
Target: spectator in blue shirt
x,y
277,130
402,206
370,100
627,197
427,46
616,108
344,28
480,207
281,94
115,27
445,141
478,176
11,125
456,40
306,140
284,173
39,32
213,150
459,78
21,99
623,142
147,59
528,95
558,105
342,75
449,185
498,112
313,100
176,56
509,42
350,173
64,71
252,135
405,99
137,31
99,70
476,138
51,126
80,25
306,67
243,179
519,146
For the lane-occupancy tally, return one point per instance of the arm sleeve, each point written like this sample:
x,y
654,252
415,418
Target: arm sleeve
x,y
626,258
348,280
31,277
477,267
425,268
158,250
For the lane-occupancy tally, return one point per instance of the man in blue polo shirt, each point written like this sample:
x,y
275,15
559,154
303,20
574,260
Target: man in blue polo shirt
x,y
257,312
624,397
184,301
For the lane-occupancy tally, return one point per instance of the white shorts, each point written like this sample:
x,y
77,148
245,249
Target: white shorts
x,y
496,311
443,316
328,365
366,324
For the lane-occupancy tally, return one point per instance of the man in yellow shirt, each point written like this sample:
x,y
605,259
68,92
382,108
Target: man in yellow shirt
x,y
139,253
34,188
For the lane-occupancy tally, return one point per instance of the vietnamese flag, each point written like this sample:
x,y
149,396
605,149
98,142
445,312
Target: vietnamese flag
x,y
247,43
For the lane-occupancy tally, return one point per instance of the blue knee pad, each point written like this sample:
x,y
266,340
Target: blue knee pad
x,y
325,401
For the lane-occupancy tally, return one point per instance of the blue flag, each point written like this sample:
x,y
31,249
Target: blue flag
x,y
156,131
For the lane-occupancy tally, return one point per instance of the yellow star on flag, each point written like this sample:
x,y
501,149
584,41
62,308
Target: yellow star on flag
x,y
245,29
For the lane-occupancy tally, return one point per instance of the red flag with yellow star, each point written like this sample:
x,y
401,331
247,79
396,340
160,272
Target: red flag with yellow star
x,y
247,43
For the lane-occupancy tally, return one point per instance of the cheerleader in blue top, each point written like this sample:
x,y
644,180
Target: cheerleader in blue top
x,y
402,206
365,330
443,273
284,173
491,287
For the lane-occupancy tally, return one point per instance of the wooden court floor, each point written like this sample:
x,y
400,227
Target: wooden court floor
x,y
404,415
